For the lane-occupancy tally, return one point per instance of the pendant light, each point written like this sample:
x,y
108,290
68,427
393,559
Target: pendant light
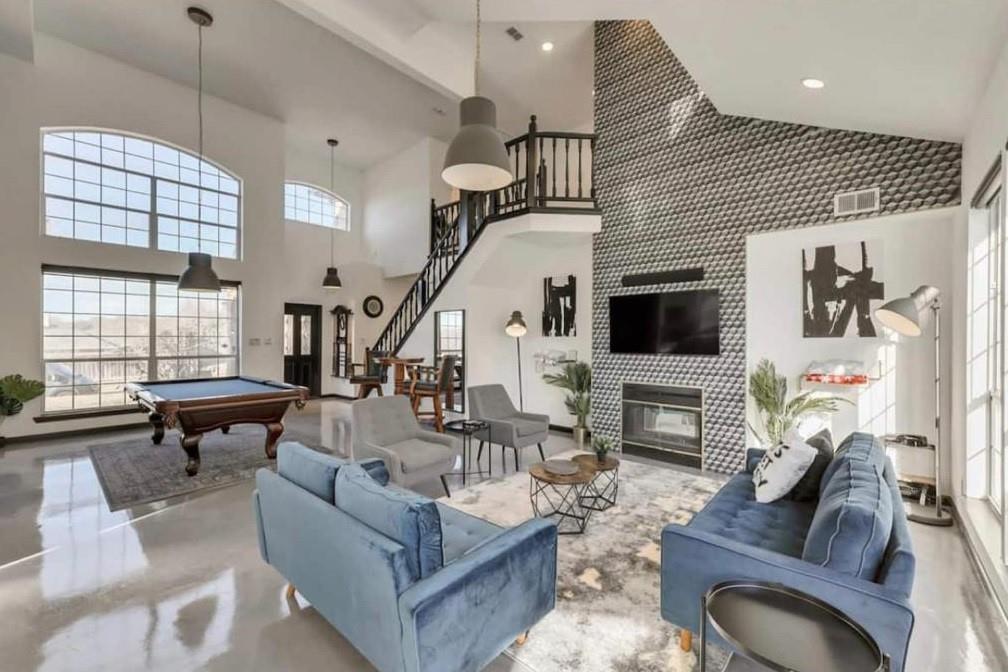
x,y
476,159
331,280
199,276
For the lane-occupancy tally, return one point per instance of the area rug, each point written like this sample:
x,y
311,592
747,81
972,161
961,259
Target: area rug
x,y
136,471
607,616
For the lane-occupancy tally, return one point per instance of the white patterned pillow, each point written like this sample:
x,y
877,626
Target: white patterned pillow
x,y
782,467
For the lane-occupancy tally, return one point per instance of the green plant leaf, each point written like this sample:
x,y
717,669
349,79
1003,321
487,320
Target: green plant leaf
x,y
9,406
22,389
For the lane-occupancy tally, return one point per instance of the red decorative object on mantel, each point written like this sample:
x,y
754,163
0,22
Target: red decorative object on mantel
x,y
837,378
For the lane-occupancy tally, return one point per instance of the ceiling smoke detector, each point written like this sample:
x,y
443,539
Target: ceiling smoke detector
x,y
514,33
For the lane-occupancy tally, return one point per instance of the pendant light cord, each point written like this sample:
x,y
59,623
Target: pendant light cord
x,y
332,185
477,68
199,90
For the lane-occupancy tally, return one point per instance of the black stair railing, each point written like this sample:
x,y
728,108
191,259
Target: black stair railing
x,y
561,168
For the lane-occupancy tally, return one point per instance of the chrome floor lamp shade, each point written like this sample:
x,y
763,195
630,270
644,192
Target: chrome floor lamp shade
x,y
909,315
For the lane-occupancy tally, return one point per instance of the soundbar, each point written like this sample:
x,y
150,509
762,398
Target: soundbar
x,y
664,277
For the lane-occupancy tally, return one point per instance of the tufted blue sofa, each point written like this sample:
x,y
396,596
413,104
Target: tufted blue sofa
x,y
849,547
414,585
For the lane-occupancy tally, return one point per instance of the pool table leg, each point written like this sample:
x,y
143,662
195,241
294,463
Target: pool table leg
x,y
273,432
157,422
190,444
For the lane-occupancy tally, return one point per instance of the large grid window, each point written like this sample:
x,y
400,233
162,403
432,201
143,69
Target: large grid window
x,y
101,331
126,190
312,205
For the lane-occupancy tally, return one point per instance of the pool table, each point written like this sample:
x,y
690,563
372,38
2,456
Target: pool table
x,y
197,406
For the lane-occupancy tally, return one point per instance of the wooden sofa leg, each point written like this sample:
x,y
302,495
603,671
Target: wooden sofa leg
x,y
685,640
290,590
522,638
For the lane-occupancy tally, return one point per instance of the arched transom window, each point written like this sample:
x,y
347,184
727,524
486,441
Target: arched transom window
x,y
313,205
122,189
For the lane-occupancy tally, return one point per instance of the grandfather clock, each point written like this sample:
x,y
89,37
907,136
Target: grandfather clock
x,y
341,342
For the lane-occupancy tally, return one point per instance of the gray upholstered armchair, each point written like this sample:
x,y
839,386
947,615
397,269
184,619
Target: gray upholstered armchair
x,y
385,427
509,427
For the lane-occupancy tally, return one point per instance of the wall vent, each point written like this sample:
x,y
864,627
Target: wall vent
x,y
514,33
856,202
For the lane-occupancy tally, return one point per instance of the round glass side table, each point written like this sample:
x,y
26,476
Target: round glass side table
x,y
467,428
786,630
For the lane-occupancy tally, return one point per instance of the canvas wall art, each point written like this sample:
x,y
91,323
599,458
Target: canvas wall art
x,y
559,306
841,287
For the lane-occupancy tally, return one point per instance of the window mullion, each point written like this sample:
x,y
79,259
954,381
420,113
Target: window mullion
x,y
152,330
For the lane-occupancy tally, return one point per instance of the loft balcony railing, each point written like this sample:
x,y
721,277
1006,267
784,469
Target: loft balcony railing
x,y
560,165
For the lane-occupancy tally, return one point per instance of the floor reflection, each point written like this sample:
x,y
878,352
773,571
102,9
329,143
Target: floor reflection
x,y
181,632
103,547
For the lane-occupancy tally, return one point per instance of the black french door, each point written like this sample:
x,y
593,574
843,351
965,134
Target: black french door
x,y
302,346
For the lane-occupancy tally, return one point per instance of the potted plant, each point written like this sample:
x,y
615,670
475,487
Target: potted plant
x,y
576,379
15,392
776,412
601,445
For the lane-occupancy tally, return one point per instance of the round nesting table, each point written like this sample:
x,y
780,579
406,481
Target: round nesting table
x,y
787,630
561,496
604,486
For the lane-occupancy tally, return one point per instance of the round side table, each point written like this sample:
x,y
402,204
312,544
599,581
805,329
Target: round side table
x,y
560,496
467,428
786,630
604,487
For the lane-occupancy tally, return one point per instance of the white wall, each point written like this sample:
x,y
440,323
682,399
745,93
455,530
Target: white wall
x,y
397,195
69,86
508,275
914,252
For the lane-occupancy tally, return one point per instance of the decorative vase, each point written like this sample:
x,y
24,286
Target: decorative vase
x,y
580,437
600,457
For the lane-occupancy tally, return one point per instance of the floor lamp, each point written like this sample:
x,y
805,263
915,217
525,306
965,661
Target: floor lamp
x,y
516,328
908,316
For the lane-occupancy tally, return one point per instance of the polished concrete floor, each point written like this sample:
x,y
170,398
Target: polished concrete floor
x,y
179,585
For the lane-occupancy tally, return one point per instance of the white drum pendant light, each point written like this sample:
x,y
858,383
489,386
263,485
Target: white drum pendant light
x,y
476,159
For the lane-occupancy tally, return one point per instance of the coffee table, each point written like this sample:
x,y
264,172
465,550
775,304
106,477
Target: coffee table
x,y
604,486
560,496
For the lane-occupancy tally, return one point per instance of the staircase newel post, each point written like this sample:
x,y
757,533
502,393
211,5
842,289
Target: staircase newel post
x,y
531,163
465,219
433,224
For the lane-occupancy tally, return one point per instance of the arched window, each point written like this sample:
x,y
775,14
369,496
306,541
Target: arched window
x,y
313,205
122,189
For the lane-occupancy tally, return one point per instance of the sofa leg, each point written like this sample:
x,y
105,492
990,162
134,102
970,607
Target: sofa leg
x,y
522,638
685,640
290,591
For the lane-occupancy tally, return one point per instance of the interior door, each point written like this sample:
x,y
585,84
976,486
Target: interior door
x,y
302,346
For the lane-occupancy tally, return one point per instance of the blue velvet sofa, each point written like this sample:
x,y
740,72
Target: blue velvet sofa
x,y
850,546
412,584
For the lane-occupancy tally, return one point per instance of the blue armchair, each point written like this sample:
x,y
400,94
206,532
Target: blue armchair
x,y
850,547
414,585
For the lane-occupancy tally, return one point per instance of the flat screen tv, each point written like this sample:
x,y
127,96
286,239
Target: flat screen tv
x,y
676,323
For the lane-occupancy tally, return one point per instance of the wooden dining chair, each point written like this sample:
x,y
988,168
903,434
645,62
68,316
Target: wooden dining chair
x,y
370,375
432,382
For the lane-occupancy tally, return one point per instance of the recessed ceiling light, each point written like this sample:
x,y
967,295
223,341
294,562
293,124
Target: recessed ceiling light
x,y
547,46
813,83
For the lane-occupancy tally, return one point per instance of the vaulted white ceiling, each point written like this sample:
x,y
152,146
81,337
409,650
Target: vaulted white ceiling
x,y
381,74
909,67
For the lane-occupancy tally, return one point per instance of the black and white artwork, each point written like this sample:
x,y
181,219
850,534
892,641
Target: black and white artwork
x,y
841,286
559,304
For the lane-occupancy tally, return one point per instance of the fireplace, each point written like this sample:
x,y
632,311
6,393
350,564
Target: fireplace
x,y
663,422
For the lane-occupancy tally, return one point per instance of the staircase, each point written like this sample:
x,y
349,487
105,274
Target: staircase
x,y
561,168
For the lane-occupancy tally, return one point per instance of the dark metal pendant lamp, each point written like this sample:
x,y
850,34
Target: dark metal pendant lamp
x,y
199,276
332,280
476,159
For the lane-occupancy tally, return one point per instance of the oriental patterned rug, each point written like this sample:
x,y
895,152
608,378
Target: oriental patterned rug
x,y
135,471
607,616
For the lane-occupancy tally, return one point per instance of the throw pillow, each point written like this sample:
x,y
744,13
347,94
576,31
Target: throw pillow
x,y
410,519
782,467
807,488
